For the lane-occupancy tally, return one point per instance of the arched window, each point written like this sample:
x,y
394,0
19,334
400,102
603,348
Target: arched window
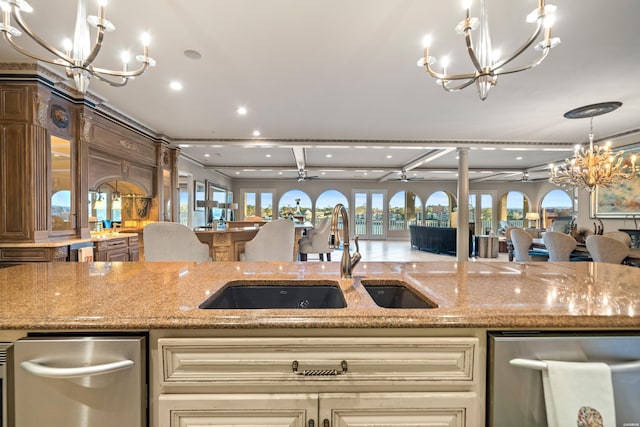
x,y
513,207
556,206
414,209
327,201
295,204
405,208
438,209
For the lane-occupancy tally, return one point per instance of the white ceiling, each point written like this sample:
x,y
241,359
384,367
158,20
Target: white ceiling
x,y
339,78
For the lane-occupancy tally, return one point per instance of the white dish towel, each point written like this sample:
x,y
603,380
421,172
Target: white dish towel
x,y
578,394
85,254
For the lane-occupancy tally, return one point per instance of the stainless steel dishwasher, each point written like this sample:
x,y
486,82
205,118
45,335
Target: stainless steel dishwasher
x,y
515,394
74,381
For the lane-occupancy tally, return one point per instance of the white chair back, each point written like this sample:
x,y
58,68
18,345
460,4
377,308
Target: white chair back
x,y
559,245
521,241
170,241
317,240
273,242
560,226
606,249
619,235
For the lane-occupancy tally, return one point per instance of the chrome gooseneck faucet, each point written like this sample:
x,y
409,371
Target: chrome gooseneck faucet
x,y
348,262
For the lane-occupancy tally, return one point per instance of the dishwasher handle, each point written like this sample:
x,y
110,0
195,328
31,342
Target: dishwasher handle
x,y
40,370
540,365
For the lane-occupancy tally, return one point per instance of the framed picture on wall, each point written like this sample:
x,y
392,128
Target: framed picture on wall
x,y
198,196
619,201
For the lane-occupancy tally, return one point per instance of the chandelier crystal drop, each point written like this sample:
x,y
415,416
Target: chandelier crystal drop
x,y
597,165
77,55
488,63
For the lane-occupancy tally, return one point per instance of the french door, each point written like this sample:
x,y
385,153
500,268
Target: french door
x,y
369,214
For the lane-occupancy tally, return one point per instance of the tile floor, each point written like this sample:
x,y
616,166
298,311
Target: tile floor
x,y
396,250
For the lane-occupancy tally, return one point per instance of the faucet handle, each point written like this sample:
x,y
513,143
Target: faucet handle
x,y
355,240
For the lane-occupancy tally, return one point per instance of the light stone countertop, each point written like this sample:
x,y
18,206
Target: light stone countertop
x,y
139,295
55,243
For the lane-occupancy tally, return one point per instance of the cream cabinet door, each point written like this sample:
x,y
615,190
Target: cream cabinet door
x,y
449,409
270,410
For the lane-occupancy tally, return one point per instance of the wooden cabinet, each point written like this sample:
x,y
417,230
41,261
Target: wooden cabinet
x,y
316,409
14,255
134,248
117,249
312,381
292,410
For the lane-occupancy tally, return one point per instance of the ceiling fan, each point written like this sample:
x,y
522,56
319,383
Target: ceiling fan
x,y
538,176
302,175
404,178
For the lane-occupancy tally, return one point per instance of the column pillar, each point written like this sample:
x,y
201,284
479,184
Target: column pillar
x,y
462,244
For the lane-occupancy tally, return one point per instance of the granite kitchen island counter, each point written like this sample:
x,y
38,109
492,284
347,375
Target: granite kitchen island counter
x,y
145,296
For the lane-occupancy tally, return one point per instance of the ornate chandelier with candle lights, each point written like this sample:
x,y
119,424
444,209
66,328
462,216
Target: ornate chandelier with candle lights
x,y
597,165
76,56
489,63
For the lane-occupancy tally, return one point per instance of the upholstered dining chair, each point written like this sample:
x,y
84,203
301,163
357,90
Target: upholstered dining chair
x,y
619,235
606,249
559,245
273,242
521,241
316,241
170,241
559,226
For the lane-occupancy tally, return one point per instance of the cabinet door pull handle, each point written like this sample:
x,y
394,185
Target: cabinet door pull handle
x,y
320,372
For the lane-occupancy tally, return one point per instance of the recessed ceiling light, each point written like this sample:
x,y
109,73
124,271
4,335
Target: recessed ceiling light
x,y
207,155
389,156
192,54
242,111
328,156
256,133
519,158
267,155
175,85
237,173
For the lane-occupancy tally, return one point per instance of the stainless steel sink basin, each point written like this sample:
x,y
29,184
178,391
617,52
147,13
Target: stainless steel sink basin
x,y
265,294
395,294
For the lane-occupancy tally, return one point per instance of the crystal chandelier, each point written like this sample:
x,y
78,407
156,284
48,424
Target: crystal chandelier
x,y
596,166
489,63
78,55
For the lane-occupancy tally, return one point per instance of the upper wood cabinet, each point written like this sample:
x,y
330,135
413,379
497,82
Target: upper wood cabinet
x,y
54,148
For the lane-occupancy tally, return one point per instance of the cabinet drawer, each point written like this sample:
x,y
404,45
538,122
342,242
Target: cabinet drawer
x,y
105,245
302,363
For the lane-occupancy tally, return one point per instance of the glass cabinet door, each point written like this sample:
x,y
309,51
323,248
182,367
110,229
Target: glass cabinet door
x,y
62,214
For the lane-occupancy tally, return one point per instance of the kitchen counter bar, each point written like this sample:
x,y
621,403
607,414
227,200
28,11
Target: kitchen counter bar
x,y
55,243
139,295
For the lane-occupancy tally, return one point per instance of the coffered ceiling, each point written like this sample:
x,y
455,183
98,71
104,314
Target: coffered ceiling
x,y
333,85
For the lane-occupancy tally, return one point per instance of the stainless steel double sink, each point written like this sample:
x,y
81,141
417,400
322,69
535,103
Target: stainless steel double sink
x,y
310,294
